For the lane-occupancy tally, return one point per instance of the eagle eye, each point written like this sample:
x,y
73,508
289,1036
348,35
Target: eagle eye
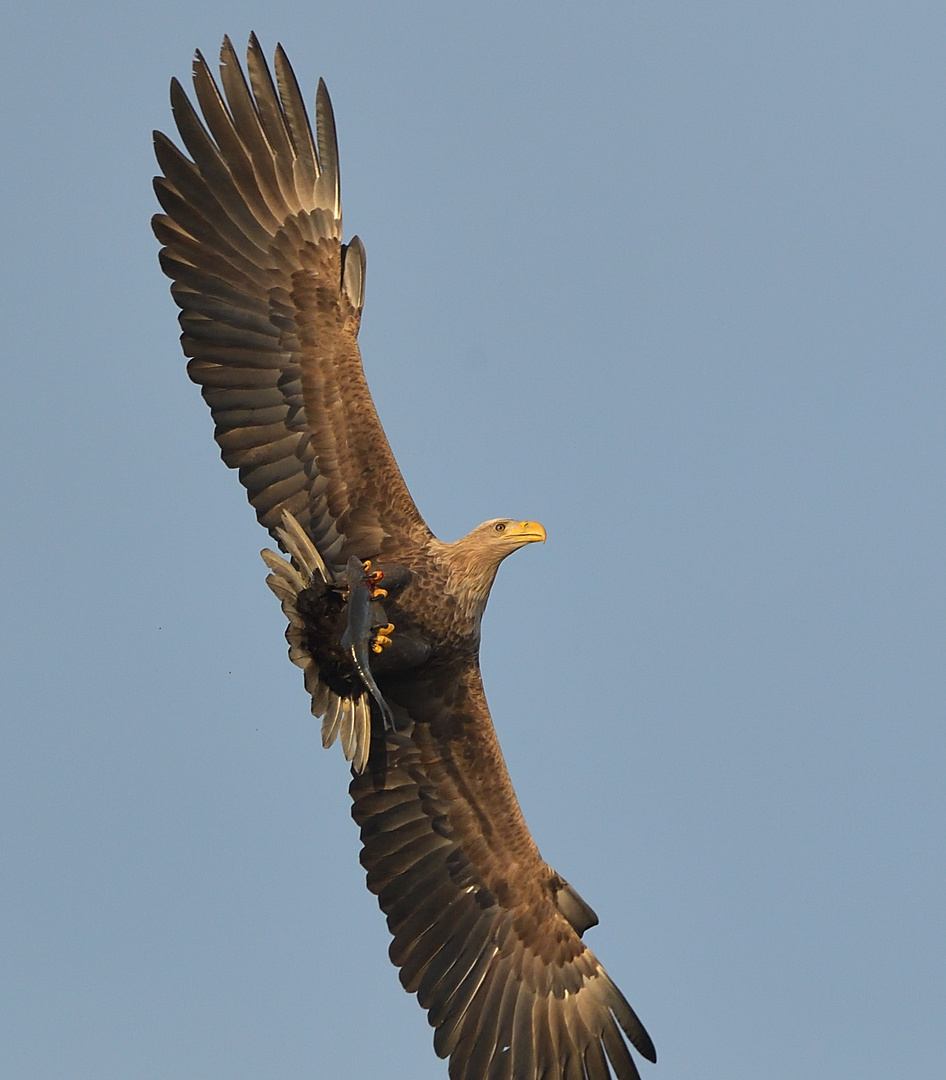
x,y
500,526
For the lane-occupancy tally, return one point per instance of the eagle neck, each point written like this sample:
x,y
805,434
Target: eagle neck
x,y
471,571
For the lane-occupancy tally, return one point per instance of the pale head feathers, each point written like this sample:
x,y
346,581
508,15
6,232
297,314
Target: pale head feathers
x,y
475,558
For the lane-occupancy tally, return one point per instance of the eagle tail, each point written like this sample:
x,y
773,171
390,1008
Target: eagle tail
x,y
349,716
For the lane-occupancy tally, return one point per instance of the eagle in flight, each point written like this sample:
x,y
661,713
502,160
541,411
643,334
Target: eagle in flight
x,y
384,618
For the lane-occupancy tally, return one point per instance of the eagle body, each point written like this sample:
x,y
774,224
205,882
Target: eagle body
x,y
383,618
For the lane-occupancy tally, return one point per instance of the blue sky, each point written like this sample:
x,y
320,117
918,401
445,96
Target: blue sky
x,y
667,277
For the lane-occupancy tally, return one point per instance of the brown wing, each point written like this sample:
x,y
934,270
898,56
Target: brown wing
x,y
485,932
271,303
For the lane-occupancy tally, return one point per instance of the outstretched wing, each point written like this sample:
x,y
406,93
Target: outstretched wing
x,y
271,303
485,933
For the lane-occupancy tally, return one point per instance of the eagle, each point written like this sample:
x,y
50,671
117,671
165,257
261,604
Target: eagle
x,y
383,618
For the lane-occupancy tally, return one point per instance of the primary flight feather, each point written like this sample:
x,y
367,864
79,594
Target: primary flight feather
x,y
384,619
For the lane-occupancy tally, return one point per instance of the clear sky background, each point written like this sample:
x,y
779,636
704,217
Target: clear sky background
x,y
666,276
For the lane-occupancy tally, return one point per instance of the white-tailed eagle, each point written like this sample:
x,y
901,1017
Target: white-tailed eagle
x,y
384,618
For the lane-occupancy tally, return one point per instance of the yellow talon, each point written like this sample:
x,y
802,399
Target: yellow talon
x,y
382,638
372,577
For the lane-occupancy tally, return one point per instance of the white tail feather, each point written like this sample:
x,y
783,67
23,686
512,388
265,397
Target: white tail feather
x,y
331,721
362,733
301,547
348,730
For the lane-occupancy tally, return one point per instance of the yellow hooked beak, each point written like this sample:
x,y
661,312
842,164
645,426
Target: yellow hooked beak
x,y
527,532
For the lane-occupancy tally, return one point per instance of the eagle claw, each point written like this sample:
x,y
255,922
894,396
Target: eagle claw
x,y
372,577
382,638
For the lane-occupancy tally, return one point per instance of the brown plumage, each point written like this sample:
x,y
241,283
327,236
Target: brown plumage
x,y
484,932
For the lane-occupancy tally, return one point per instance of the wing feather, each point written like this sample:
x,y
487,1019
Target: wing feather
x,y
618,1054
453,963
509,987
414,956
273,123
522,1047
395,839
297,124
217,174
270,305
233,147
479,1029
